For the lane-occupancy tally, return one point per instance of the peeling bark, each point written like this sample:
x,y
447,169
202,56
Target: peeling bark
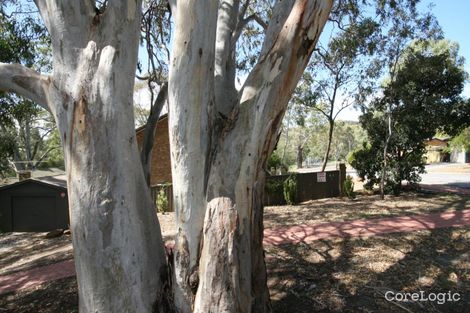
x,y
232,273
119,254
191,96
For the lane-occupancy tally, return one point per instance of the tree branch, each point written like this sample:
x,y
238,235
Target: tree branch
x,y
257,19
322,112
150,130
224,64
287,47
25,82
42,157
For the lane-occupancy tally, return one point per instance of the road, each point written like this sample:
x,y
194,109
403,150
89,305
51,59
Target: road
x,y
450,174
456,175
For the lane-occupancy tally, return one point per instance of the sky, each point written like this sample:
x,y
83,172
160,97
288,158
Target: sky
x,y
453,16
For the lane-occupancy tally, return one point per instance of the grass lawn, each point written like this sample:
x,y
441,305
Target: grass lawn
x,y
335,275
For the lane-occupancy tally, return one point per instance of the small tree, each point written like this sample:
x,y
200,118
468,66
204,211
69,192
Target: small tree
x,y
421,99
162,200
290,189
462,140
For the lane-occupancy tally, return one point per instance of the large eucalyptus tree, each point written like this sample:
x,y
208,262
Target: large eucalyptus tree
x,y
220,140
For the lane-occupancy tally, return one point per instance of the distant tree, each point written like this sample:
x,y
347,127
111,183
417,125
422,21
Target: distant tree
x,y
341,75
25,125
6,151
462,140
362,46
423,98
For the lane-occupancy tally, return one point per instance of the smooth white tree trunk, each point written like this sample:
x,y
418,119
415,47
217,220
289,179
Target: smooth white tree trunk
x,y
218,165
119,253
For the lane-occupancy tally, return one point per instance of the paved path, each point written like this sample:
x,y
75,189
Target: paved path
x,y
370,227
36,276
278,236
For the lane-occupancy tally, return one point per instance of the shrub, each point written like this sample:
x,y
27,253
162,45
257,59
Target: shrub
x,y
290,189
162,201
348,185
274,186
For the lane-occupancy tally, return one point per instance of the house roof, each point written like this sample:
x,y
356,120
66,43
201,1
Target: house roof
x,y
437,142
141,128
35,174
58,182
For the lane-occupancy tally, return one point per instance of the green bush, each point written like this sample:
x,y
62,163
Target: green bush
x,y
274,186
274,161
290,189
348,185
162,201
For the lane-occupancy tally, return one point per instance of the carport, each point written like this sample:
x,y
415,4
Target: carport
x,y
34,205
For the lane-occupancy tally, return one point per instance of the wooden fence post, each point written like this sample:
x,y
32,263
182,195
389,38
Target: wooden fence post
x,y
342,178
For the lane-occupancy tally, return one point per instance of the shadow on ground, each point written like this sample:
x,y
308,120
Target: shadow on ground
x,y
353,275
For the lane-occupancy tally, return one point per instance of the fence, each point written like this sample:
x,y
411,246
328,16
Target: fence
x,y
310,186
168,193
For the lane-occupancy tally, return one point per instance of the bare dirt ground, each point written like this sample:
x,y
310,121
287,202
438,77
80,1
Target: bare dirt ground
x,y
22,251
336,275
363,207
353,275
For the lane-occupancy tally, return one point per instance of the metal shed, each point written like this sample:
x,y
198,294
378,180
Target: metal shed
x,y
34,205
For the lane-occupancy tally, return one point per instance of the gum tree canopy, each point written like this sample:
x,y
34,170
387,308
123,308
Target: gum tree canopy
x,y
220,140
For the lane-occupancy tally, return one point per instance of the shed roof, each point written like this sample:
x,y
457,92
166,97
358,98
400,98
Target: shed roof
x,y
58,182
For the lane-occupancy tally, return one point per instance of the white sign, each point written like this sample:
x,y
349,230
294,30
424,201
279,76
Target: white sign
x,y
321,177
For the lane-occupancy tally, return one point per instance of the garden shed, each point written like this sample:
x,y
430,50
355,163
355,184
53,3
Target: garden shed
x,y
34,205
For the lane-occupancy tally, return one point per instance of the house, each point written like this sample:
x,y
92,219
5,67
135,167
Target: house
x,y
437,150
34,204
160,170
161,163
459,155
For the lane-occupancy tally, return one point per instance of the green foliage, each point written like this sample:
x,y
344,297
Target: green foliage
x,y
274,186
24,40
346,137
54,157
348,186
290,189
368,164
420,100
274,161
7,140
462,140
162,201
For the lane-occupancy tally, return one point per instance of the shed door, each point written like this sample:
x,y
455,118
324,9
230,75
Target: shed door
x,y
33,213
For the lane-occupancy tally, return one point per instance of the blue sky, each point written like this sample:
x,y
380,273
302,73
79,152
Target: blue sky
x,y
453,16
